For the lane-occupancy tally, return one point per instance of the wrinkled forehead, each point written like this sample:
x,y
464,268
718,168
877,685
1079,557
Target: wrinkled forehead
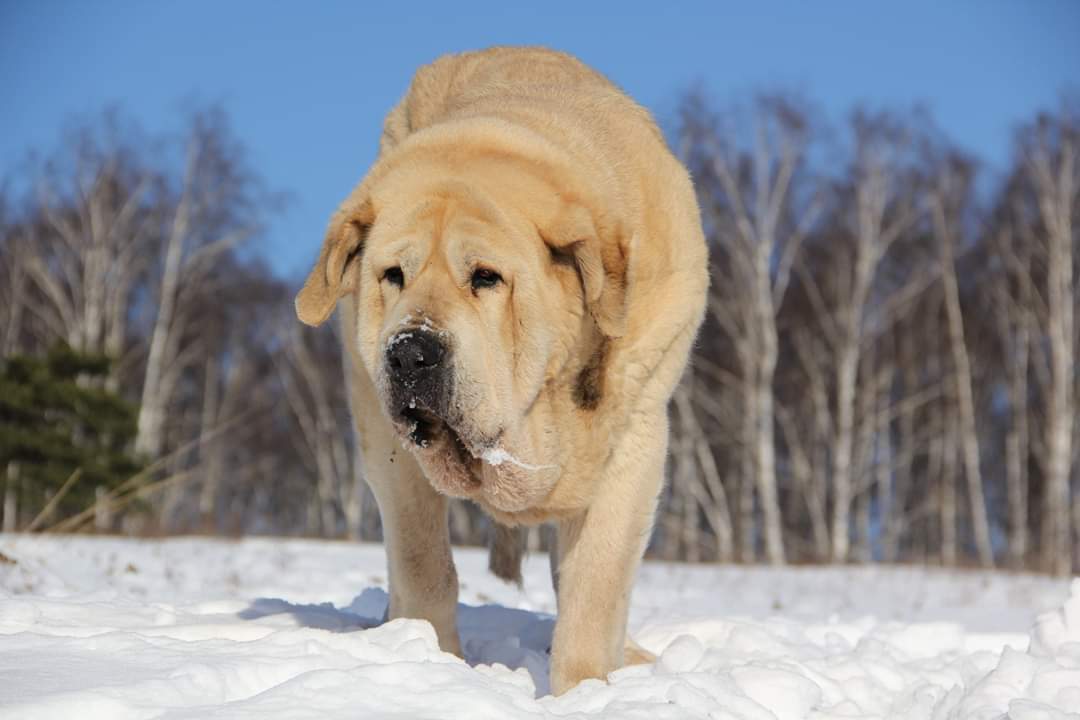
x,y
447,213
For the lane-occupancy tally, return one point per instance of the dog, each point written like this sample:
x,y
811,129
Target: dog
x,y
522,273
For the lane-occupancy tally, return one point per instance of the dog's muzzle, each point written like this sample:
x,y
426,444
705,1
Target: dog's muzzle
x,y
418,368
414,357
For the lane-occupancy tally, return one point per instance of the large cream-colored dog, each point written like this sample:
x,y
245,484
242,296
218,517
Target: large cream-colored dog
x,y
522,274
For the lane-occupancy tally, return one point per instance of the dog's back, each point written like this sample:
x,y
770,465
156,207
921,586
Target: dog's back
x,y
509,81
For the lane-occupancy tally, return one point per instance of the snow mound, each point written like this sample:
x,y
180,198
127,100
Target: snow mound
x,y
120,629
1059,631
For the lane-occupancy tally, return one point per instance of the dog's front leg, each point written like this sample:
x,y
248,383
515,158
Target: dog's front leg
x,y
423,581
599,552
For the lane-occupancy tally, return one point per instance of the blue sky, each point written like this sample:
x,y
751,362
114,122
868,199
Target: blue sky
x,y
307,84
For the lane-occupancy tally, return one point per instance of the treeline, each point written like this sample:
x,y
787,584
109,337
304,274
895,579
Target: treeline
x,y
887,371
142,249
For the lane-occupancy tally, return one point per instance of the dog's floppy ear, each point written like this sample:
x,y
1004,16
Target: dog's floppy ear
x,y
601,256
338,268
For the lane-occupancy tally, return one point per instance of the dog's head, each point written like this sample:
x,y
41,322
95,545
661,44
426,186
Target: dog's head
x,y
478,282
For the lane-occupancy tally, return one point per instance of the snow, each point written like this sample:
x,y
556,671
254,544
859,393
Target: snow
x,y
393,340
409,321
261,628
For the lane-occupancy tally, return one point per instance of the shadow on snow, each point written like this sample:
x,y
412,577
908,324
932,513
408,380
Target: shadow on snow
x,y
490,634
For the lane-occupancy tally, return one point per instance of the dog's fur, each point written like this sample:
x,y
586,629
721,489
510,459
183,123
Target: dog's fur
x,y
524,162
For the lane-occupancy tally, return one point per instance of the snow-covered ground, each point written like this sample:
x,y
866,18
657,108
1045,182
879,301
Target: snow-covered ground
x,y
194,628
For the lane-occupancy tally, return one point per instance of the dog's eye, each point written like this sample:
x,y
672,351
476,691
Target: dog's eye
x,y
394,276
484,278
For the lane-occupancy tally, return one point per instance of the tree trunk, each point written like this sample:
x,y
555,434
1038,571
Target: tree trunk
x,y
16,293
154,400
883,461
1016,447
103,517
716,509
947,485
691,534
208,449
1057,197
11,498
905,449
1056,506
747,553
765,447
962,374
846,373
803,476
719,515
863,457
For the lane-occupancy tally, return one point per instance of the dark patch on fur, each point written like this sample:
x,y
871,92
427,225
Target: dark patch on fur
x,y
506,552
589,389
562,256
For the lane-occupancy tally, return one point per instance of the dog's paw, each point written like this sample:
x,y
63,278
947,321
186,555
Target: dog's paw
x,y
566,675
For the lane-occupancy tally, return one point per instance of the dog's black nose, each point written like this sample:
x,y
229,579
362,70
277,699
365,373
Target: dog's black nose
x,y
413,354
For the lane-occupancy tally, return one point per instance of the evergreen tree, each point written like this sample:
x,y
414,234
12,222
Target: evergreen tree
x,y
56,418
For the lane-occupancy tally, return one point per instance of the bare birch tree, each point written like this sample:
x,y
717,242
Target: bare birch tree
x,y
1050,152
306,368
1013,314
882,208
209,217
698,470
16,253
763,214
947,195
94,221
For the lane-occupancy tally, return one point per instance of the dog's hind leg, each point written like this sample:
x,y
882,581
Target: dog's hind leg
x,y
506,551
